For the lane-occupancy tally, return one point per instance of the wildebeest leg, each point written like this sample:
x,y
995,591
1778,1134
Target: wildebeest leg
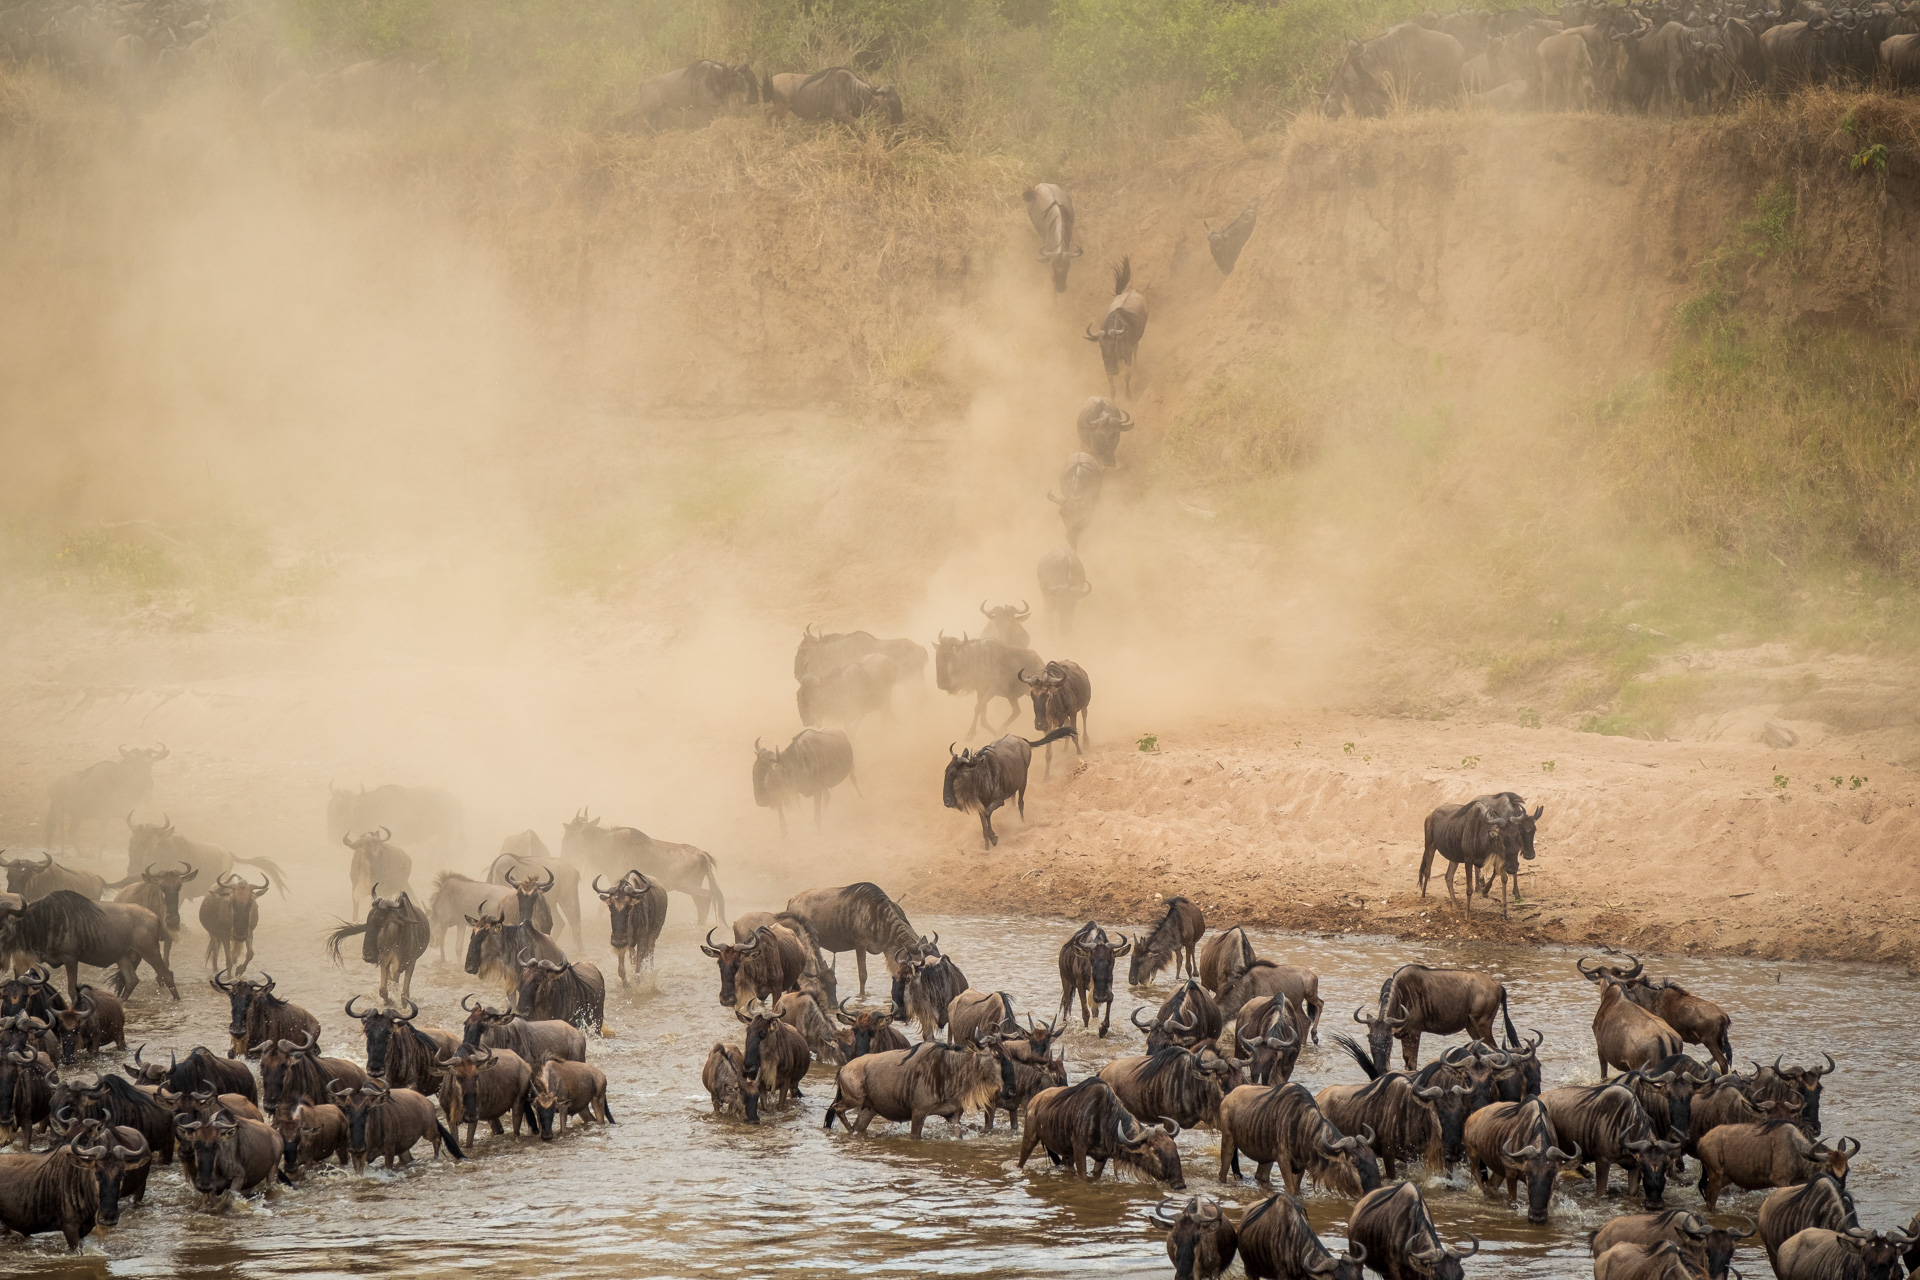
x,y
1410,1049
1229,1156
1263,1174
1028,1141
1106,1019
1046,776
986,826
1452,867
1482,1175
1513,1189
1600,1169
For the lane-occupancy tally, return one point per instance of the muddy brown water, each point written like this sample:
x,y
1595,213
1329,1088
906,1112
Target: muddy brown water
x,y
673,1190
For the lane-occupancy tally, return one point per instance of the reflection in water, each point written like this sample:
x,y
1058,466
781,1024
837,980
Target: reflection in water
x,y
674,1191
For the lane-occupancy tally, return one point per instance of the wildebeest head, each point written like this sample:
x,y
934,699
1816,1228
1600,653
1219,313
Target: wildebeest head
x,y
1653,1158
1101,423
380,1025
1382,1030
1440,1261
1003,623
1806,1080
1540,1169
623,905
112,1162
1092,944
276,1057
1362,82
464,1069
1266,1052
241,993
545,1096
479,1018
887,98
484,927
151,1073
213,1149
1879,1251
22,870
731,955
31,993
1195,1228
69,1023
1152,1150
359,1104
169,882
946,660
865,1024
529,892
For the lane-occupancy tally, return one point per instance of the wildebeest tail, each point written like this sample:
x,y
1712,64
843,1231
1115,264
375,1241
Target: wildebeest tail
x,y
1513,1037
1123,274
340,935
1055,736
446,1136
1358,1052
606,1109
267,865
713,885
766,87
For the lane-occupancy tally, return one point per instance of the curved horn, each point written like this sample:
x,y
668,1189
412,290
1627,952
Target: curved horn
x,y
464,1002
361,1016
1134,1018
1172,1126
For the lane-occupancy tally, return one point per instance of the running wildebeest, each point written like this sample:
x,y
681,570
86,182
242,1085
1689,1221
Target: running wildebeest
x,y
392,939
702,86
638,908
913,1085
158,844
534,1041
1100,423
258,1016
1407,63
572,992
809,767
1004,624
862,919
413,815
529,899
1060,693
30,881
1086,1121
65,929
985,668
1080,484
840,95
1123,327
386,1122
679,868
495,947
1050,209
1086,971
1515,1142
1419,1000
825,653
159,892
1280,1124
526,855
1173,938
849,695
483,1084
1470,835
230,913
231,1155
399,1052
294,1072
1063,585
984,780
1400,1241
99,793
376,861
1226,243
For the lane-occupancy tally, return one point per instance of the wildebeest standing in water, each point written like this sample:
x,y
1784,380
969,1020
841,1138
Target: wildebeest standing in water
x,y
1125,324
1392,1225
415,816
159,844
1417,1000
31,881
1087,1121
1061,694
53,1191
230,913
984,780
65,929
809,767
985,668
860,918
638,908
1080,483
1201,1240
1100,425
1086,972
1050,209
1004,623
377,861
159,892
1063,585
393,938
679,868
1407,64
99,793
258,1017
836,94
494,948
702,86
526,854
555,992
1174,938
1226,243
1470,835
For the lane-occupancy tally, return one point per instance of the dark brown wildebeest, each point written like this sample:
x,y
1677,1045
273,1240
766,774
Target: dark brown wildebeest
x,y
1515,1142
56,1190
1418,1000
1268,1033
1060,695
27,1083
638,907
386,1123
151,844
99,793
1510,805
862,919
1063,585
1298,986
1695,1020
495,947
1086,971
1625,1035
809,767
679,868
534,1041
1470,835
401,1053
117,1101
912,1085
1190,1016
702,86
1404,1126
483,1084
259,1016
199,1072
1818,1202
1080,484
1100,425
1171,1083
310,1134
1706,1249
1392,1225
414,815
725,1078
1774,1153
1278,1243
768,963
1408,64
775,1055
1050,209
924,989
230,913
1226,243
982,781
1035,1067
840,95
205,1107
122,1173
1819,1254
1201,1240
985,668
1174,937
571,992
525,856
868,1031
66,930
231,1155
990,1013
292,1073
1004,624
1120,332
849,695
1609,1127
393,938
35,880
528,901
561,1090
1722,1101
806,1011
1783,1084
1661,1261
1085,1121
1281,1124
96,1019
159,892
1224,957
1666,1090
377,861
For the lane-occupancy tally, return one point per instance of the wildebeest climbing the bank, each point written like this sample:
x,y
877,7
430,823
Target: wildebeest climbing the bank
x,y
1051,210
1225,243
1122,328
981,781
1063,585
985,668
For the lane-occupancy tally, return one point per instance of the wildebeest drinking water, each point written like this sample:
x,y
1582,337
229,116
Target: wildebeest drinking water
x,y
1050,209
1125,324
809,767
984,780
680,868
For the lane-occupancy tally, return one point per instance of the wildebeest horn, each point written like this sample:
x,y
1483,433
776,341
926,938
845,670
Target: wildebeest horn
x,y
1134,1018
351,1014
707,947
464,1002
1172,1126
983,609
1591,975
385,835
346,839
1361,1016
308,1046
1817,1072
1026,610
268,984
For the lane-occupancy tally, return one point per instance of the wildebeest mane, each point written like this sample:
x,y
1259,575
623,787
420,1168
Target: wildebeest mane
x,y
72,919
880,914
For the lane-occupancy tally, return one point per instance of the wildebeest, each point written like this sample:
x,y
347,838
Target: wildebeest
x,y
1277,1242
761,967
1004,624
1515,1142
1407,64
483,1084
415,816
1853,1254
1201,1240
377,861
1898,58
66,929
702,86
1120,332
1224,957
809,767
158,844
571,992
1420,1000
455,897
1400,1241
1469,835
528,901
1171,1083
678,868
1075,1123
859,918
1784,1084
99,793
1189,1016
259,1016
913,1085
1774,1153
1297,985
1061,693
983,780
32,881
1661,1261
534,1041
638,909
1063,585
1625,1035
1609,1127
1694,1020
775,1055
159,892
1666,1089
122,1173
393,938
1050,209
823,653
199,1072
399,1052
1269,1033
561,1090
494,949
311,1134
293,1072
230,913
387,1123
924,989
988,1012
1280,1124
849,695
1226,243
1818,1202
1174,937
55,1190
97,1019
1080,483
231,1155
1403,1124
524,856
1565,62
1086,972
840,95
725,1079
985,668
1706,1250
1100,424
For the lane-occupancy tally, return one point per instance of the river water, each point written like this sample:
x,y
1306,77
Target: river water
x,y
673,1190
